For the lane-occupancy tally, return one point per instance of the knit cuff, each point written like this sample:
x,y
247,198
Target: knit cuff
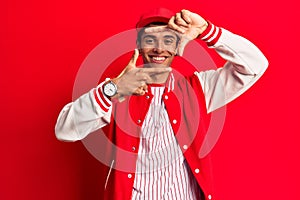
x,y
211,34
101,99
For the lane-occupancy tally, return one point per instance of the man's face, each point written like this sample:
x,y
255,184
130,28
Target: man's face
x,y
158,48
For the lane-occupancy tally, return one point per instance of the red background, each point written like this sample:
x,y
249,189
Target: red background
x,y
43,44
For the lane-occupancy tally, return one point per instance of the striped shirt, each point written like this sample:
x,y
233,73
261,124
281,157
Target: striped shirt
x,y
161,169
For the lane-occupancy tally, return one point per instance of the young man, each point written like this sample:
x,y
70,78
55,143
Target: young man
x,y
158,116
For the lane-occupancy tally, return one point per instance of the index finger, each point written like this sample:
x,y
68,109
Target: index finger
x,y
155,29
185,14
180,20
174,26
154,71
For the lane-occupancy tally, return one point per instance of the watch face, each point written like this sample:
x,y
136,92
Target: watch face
x,y
109,89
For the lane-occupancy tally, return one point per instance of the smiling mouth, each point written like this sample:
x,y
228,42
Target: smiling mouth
x,y
158,59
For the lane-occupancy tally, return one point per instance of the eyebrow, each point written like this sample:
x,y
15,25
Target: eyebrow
x,y
151,36
154,37
169,36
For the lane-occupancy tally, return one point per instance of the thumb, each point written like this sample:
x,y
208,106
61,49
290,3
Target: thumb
x,y
132,62
183,42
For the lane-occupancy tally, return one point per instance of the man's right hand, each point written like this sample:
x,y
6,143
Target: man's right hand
x,y
133,80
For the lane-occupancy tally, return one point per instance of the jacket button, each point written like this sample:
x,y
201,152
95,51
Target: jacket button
x,y
174,121
185,147
133,148
129,175
197,171
209,196
166,97
139,121
147,97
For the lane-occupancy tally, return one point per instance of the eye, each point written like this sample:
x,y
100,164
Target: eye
x,y
149,40
169,41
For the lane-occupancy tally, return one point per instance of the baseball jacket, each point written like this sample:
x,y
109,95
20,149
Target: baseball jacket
x,y
188,100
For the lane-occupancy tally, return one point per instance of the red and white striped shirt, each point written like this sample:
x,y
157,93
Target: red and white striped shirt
x,y
161,169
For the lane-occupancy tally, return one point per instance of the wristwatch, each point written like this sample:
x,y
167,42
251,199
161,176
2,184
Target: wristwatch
x,y
110,89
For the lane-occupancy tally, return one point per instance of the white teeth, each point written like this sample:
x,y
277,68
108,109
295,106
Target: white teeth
x,y
158,58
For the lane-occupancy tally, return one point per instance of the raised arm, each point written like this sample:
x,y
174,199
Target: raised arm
x,y
245,62
93,110
245,65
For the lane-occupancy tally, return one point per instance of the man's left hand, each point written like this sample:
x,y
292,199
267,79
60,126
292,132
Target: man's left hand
x,y
190,24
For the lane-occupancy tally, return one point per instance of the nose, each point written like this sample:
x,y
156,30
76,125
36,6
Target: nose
x,y
159,47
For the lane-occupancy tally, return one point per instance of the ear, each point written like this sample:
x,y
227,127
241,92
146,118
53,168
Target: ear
x,y
140,51
176,51
138,45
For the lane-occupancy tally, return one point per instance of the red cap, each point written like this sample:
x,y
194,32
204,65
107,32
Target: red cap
x,y
156,15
